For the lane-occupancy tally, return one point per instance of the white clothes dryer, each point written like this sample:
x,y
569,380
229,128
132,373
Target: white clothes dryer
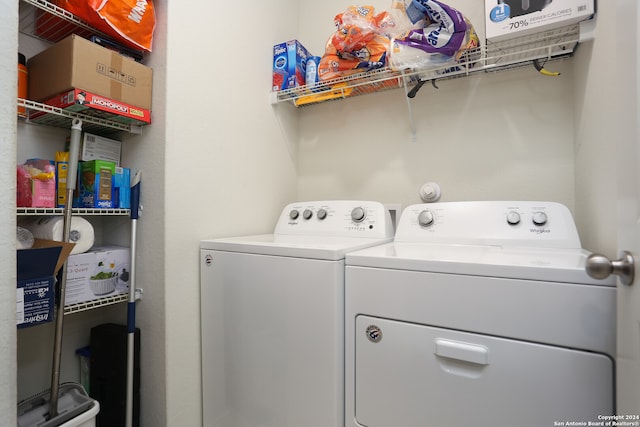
x,y
272,311
478,313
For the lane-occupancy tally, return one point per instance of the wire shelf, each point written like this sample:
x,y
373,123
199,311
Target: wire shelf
x,y
101,302
90,305
47,21
74,211
98,121
492,57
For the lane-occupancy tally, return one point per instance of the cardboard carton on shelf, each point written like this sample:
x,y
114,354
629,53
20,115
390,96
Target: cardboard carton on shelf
x,y
77,63
507,19
36,271
101,272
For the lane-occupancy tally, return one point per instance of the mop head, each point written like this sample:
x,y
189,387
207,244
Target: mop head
x,y
72,401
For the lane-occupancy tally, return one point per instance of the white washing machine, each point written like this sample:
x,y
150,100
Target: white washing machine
x,y
478,314
272,310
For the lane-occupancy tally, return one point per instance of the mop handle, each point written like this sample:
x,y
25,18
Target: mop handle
x,y
74,149
135,195
131,306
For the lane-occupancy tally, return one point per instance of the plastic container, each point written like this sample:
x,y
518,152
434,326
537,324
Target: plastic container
x,y
75,409
23,82
84,356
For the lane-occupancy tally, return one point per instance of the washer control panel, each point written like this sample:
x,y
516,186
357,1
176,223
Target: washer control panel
x,y
350,218
504,223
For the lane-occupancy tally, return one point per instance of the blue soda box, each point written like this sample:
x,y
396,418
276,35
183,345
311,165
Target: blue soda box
x,y
122,188
289,65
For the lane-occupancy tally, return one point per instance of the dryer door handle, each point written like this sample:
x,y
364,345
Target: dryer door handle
x,y
467,352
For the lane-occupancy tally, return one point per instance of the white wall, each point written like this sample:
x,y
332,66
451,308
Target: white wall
x,y
8,71
595,148
230,160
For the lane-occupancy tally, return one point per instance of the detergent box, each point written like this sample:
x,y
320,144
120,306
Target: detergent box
x,y
62,169
506,19
36,270
95,183
101,272
289,65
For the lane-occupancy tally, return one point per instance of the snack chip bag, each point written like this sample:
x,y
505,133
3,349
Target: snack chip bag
x,y
356,46
371,56
446,36
130,22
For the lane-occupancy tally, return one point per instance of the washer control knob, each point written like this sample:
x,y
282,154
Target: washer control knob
x,y
425,218
307,214
358,214
322,214
513,218
539,218
294,214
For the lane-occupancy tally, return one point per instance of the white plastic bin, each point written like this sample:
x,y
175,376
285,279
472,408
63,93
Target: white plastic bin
x,y
75,409
86,419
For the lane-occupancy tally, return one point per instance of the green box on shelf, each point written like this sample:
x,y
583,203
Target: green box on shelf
x,y
95,184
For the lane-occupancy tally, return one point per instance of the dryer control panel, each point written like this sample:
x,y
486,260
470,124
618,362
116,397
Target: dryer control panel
x,y
348,218
503,223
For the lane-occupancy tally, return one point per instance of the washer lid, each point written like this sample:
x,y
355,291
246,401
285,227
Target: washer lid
x,y
317,247
325,229
545,264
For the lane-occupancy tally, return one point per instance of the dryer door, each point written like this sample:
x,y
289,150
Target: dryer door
x,y
414,375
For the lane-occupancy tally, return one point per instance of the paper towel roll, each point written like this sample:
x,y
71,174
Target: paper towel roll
x,y
51,227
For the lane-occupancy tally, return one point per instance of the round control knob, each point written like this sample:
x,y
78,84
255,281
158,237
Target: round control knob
x,y
539,218
425,218
358,214
294,214
513,218
307,214
322,214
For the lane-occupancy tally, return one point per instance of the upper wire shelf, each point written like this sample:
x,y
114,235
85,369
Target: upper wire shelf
x,y
47,21
492,57
98,121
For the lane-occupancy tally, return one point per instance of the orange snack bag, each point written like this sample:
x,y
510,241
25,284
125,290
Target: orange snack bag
x,y
129,22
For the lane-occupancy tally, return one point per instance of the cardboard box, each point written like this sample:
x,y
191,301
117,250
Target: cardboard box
x,y
36,270
95,147
515,18
289,65
102,272
85,102
95,184
78,63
